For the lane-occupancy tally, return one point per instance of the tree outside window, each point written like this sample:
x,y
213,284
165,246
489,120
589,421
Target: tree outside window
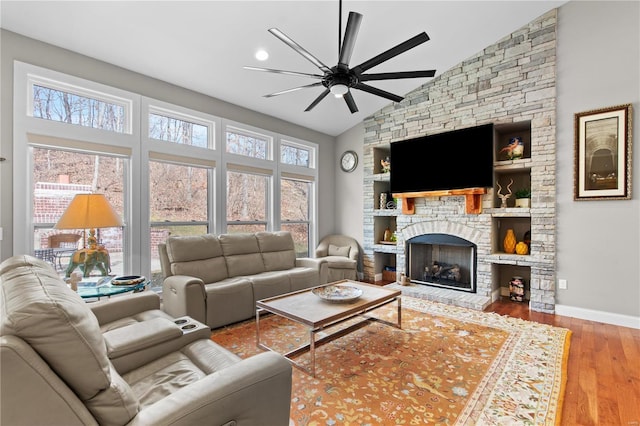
x,y
246,202
66,107
253,146
294,211
178,206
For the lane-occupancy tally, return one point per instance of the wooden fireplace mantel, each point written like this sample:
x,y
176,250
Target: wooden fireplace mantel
x,y
473,198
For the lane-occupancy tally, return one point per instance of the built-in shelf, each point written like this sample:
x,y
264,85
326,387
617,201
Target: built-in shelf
x,y
512,175
385,248
386,212
510,259
509,212
380,177
507,166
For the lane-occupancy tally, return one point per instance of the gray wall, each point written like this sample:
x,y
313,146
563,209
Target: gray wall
x,y
598,241
349,198
16,47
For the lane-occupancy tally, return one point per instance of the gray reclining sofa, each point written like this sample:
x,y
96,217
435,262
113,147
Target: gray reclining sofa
x,y
217,279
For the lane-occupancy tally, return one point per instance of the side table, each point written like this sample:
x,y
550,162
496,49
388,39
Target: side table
x,y
97,287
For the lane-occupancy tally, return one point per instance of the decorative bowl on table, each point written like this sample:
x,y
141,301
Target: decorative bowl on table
x,y
128,280
337,293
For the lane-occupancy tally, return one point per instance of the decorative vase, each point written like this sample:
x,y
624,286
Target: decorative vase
x,y
522,248
383,201
509,243
516,289
387,235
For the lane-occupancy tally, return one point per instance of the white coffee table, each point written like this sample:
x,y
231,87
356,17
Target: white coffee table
x,y
316,314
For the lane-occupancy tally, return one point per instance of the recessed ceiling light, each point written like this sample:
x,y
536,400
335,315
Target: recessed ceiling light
x,y
262,55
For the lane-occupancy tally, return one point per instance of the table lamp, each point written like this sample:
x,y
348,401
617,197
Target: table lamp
x,y
89,211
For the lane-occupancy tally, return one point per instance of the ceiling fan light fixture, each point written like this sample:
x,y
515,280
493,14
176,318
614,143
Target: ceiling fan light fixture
x,y
342,78
339,90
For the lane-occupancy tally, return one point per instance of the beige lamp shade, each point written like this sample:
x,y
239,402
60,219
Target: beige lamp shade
x,y
89,211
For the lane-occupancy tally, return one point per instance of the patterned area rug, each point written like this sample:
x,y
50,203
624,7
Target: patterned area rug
x,y
448,365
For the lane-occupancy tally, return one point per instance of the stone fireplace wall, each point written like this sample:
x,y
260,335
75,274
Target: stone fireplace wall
x,y
509,82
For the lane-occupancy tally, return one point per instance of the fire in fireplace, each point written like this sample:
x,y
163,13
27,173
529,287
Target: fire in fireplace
x,y
442,260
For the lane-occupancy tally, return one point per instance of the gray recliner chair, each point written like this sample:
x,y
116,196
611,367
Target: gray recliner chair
x,y
342,254
56,367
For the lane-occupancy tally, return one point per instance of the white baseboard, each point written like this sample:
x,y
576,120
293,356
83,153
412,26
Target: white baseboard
x,y
599,316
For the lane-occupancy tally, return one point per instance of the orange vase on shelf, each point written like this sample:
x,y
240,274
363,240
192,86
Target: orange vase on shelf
x,y
522,248
509,243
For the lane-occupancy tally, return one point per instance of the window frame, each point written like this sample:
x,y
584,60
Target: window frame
x,y
311,237
252,132
138,149
186,155
126,177
182,114
268,214
83,91
298,145
33,131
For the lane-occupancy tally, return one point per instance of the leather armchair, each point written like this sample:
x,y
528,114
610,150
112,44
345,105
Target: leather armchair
x,y
342,255
55,356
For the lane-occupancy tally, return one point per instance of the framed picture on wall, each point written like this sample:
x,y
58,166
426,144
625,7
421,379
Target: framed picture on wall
x,y
603,154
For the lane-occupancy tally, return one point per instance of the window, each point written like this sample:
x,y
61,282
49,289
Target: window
x,y
68,107
157,163
246,202
170,129
57,177
177,193
248,144
178,204
295,154
295,206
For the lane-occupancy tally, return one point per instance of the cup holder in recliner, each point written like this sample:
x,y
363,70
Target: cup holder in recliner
x,y
188,324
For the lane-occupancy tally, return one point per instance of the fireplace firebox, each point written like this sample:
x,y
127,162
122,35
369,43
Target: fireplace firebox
x,y
442,260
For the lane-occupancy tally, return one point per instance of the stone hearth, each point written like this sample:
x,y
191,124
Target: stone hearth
x,y
443,295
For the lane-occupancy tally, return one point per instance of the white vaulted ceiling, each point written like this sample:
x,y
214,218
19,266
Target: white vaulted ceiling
x,y
203,45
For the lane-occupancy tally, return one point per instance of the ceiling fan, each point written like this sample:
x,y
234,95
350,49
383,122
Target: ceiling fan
x,y
340,79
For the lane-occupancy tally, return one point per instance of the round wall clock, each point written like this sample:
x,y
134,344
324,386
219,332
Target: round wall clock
x,y
349,161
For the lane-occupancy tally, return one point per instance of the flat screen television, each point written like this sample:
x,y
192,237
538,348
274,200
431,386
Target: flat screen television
x,y
457,159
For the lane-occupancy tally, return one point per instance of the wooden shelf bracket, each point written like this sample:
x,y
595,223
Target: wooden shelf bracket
x,y
473,198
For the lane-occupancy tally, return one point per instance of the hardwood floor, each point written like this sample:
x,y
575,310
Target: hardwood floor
x,y
603,385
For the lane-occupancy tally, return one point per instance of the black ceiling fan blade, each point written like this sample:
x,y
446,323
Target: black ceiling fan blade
x,y
351,103
294,89
296,73
397,75
301,50
391,53
350,34
378,92
317,100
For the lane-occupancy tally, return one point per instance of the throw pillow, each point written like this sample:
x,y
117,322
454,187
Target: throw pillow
x,y
339,251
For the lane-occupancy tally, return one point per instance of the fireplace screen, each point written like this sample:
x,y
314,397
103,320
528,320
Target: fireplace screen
x,y
442,260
